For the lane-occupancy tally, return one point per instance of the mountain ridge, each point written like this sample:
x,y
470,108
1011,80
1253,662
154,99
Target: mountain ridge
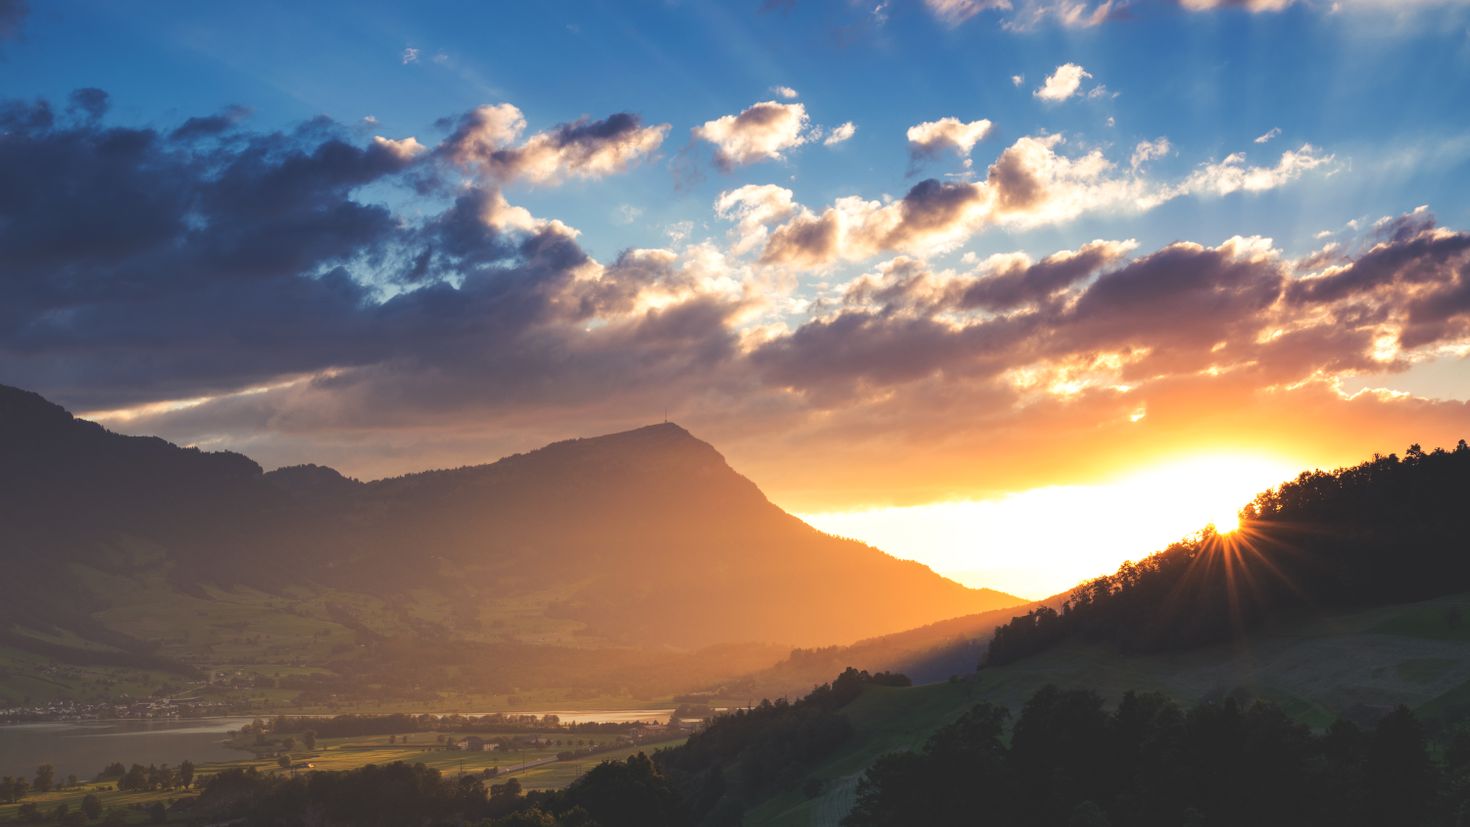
x,y
644,538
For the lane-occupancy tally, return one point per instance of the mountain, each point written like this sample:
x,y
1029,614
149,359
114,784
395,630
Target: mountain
x,y
640,542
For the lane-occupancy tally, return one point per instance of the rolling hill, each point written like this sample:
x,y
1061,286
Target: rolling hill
x,y
601,564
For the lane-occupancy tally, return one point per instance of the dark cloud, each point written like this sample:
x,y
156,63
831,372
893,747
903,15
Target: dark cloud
x,y
803,241
1180,303
1179,311
1016,286
91,102
209,126
934,205
144,264
1410,256
12,16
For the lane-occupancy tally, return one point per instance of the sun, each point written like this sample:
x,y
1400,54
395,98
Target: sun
x,y
1226,522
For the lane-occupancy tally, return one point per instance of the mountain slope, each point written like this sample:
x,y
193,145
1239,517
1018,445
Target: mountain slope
x,y
1343,595
635,541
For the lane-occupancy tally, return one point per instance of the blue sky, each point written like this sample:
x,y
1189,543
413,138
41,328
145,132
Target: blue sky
x,y
1368,87
855,245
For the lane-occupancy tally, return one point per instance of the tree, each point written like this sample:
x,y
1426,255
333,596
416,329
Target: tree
x,y
186,774
157,813
135,779
1401,780
309,739
91,806
45,777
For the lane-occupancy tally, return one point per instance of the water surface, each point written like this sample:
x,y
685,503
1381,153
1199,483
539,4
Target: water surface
x,y
83,748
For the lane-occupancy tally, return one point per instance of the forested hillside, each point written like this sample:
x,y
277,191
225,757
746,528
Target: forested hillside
x,y
1391,530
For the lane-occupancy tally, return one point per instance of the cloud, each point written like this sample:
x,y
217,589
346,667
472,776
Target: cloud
x,y
760,133
410,55
931,138
1032,183
1088,320
627,213
13,14
1071,14
1248,5
784,92
484,140
1268,135
753,208
1234,175
955,12
840,133
1062,83
1010,281
254,261
1026,14
1147,151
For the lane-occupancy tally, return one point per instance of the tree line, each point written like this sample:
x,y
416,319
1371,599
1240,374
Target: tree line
x,y
629,793
1390,530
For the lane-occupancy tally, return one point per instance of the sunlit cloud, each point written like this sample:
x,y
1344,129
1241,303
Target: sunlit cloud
x,y
484,140
1062,83
762,132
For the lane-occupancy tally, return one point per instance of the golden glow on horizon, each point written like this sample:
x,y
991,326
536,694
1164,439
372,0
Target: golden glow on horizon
x,y
1226,522
1039,542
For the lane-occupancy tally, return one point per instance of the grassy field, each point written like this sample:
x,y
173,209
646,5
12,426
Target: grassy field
x,y
1417,655
884,719
535,767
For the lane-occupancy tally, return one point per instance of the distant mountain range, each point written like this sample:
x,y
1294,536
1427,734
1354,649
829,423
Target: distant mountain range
x,y
133,551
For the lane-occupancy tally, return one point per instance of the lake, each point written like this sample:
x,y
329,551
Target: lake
x,y
85,747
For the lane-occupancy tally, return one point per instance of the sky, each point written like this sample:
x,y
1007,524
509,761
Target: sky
x,y
1016,288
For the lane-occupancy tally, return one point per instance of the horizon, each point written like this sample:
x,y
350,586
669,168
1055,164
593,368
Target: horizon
x,y
1107,520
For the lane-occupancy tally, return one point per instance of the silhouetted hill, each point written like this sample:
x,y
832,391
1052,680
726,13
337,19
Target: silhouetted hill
x,y
640,539
1386,531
